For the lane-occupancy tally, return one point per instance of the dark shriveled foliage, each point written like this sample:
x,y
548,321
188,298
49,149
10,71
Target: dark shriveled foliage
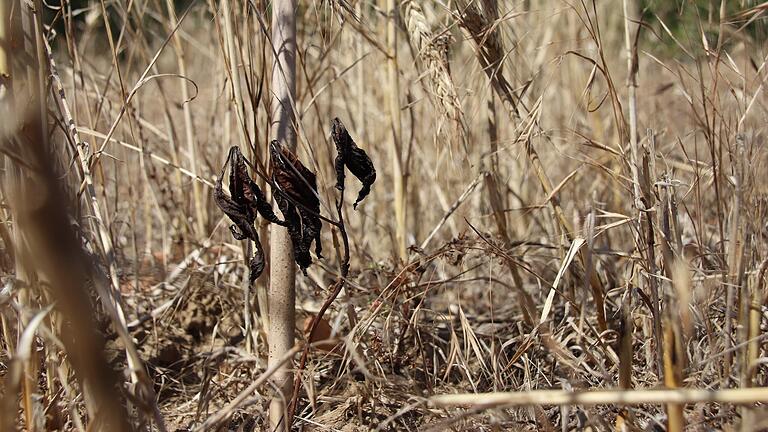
x,y
296,196
244,202
354,158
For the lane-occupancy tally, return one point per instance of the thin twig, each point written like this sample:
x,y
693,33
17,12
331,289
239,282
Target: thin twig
x,y
600,397
337,287
463,197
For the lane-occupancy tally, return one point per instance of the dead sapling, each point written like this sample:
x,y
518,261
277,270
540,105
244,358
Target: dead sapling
x,y
295,191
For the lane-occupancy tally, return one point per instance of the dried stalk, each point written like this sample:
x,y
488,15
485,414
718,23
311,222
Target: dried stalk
x,y
111,299
733,288
5,33
44,225
189,128
485,401
641,200
232,66
630,29
673,371
490,55
396,148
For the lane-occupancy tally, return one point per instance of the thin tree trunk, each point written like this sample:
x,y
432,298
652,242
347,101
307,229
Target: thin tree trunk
x,y
282,289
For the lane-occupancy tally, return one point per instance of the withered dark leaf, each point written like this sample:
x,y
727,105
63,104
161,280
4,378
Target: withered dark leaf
x,y
235,205
297,198
244,202
257,263
247,190
354,158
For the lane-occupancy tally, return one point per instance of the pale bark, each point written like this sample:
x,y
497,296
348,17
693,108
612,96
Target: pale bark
x,y
282,294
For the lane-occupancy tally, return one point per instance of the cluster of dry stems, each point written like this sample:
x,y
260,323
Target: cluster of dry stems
x,y
563,205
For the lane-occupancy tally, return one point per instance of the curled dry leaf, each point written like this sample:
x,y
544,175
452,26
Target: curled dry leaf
x,y
297,198
354,158
244,202
321,338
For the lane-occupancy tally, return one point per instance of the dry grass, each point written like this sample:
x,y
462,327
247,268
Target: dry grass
x,y
585,250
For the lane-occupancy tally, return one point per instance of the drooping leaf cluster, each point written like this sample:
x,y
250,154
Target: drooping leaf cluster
x,y
294,190
244,202
355,159
297,198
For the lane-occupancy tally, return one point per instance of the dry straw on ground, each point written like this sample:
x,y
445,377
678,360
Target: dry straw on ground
x,y
567,232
